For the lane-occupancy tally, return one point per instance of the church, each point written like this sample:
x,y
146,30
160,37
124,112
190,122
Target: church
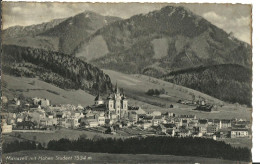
x,y
116,104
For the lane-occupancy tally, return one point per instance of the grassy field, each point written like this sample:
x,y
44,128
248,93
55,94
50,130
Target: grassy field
x,y
72,156
58,134
44,138
238,142
33,87
135,87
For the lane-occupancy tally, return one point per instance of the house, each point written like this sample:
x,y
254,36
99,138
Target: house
x,y
72,123
166,127
218,123
193,124
93,124
148,119
239,133
101,119
147,125
170,132
187,117
60,115
177,122
41,101
6,128
223,133
132,116
25,125
17,102
212,129
203,124
183,132
156,113
225,123
184,123
156,120
19,119
210,122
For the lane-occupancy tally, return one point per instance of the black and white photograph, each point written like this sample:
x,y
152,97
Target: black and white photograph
x,y
126,83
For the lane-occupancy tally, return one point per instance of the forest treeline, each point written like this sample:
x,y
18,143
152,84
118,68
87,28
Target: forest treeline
x,y
64,71
227,82
189,146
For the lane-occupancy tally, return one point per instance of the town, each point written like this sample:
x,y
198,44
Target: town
x,y
114,116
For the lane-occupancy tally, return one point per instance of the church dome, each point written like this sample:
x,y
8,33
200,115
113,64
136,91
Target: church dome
x,y
98,98
109,97
123,97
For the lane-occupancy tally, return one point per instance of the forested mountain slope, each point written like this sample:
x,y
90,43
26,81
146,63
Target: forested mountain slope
x,y
228,82
62,70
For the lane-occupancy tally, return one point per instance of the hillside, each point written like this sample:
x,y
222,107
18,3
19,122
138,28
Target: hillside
x,y
135,87
161,41
58,35
34,87
74,30
62,70
231,83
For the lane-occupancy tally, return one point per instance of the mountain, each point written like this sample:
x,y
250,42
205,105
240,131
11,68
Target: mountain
x,y
228,82
32,30
167,44
159,42
61,35
75,29
62,70
28,36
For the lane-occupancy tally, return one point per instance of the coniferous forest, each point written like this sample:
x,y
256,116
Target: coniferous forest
x,y
150,145
57,68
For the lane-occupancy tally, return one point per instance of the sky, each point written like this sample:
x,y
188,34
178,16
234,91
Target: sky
x,y
232,18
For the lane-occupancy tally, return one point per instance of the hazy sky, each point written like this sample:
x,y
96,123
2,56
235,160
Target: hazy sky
x,y
231,18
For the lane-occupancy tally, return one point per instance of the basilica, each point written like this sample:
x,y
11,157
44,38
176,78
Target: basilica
x,y
115,106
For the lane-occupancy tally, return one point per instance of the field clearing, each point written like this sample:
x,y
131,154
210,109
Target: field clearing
x,y
222,113
74,134
135,87
136,84
71,134
110,158
42,89
238,142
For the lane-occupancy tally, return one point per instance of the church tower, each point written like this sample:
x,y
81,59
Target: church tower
x,y
124,106
117,104
125,103
110,104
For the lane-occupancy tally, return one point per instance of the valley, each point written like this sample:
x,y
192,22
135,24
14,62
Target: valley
x,y
166,82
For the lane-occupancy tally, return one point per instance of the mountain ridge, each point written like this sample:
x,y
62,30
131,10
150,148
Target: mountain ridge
x,y
191,40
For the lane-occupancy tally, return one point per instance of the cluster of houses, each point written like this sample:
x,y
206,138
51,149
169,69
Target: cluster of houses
x,y
114,110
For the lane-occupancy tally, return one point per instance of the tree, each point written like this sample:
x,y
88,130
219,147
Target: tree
x,y
156,92
150,92
83,136
162,91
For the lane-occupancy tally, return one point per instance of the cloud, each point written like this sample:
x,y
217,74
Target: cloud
x,y
233,18
214,17
239,25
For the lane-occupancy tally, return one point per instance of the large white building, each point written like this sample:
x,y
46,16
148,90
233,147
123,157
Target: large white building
x,y
115,105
